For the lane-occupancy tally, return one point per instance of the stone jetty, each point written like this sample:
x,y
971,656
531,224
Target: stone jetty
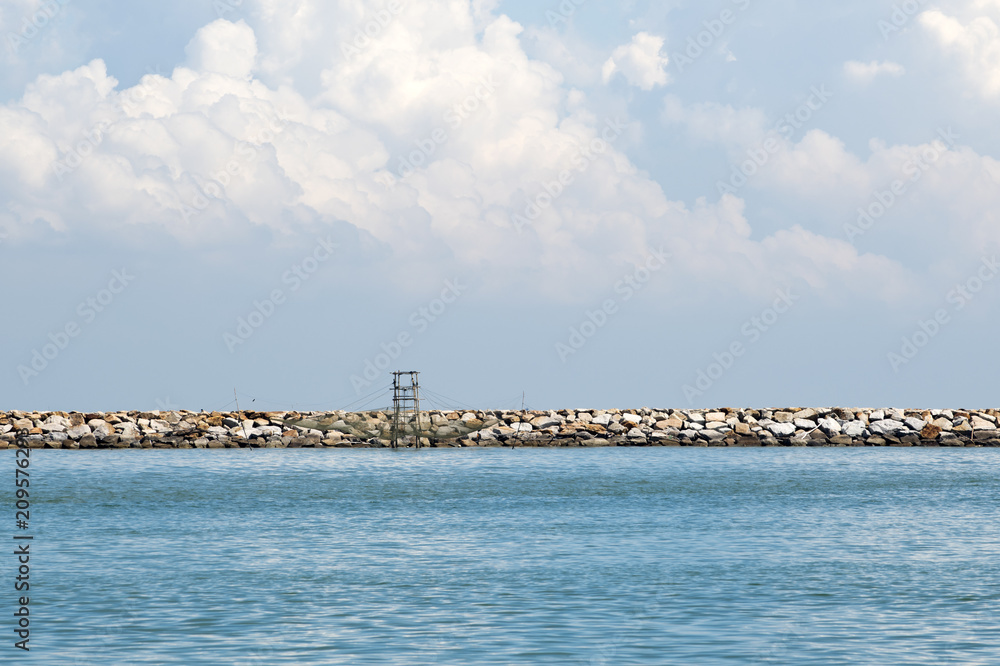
x,y
567,427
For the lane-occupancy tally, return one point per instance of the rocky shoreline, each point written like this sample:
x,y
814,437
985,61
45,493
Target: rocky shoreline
x,y
597,427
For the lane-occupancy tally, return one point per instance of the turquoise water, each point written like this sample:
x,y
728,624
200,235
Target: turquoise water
x,y
529,556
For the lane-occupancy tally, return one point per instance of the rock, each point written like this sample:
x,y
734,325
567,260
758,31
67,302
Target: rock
x,y
160,426
87,441
742,428
841,440
804,424
545,422
633,419
100,428
830,426
714,416
602,419
807,413
914,423
521,427
853,429
636,433
230,422
782,429
962,426
782,417
711,435
877,415
53,427
597,441
943,423
78,431
930,431
885,426
982,424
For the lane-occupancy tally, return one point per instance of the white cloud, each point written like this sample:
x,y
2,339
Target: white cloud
x,y
224,48
866,72
975,44
213,149
640,62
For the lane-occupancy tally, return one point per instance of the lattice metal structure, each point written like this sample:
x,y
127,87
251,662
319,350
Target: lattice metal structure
x,y
406,408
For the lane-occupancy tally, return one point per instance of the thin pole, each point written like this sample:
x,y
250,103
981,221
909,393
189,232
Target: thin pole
x,y
241,416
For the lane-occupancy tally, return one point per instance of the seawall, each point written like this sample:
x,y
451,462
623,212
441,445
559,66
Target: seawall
x,y
472,428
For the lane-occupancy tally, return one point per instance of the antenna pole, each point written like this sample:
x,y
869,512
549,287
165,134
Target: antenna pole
x,y
241,416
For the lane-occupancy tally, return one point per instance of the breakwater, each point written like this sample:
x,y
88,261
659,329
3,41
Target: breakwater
x,y
472,428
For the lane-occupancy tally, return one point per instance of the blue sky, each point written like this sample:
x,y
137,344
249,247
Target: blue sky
x,y
670,204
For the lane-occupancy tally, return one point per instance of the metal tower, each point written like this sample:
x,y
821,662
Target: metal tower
x,y
405,409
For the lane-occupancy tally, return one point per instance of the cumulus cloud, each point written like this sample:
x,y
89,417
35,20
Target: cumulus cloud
x,y
225,48
639,61
865,72
436,139
975,45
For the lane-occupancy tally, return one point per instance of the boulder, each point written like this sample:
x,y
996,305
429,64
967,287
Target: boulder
x,y
545,422
885,426
78,431
830,426
782,429
982,424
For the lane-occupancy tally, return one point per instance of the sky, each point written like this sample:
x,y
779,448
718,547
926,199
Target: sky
x,y
575,204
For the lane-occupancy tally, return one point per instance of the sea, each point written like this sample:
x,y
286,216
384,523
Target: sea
x,y
510,556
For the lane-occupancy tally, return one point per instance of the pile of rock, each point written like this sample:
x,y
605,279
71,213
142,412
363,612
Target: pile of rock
x,y
583,427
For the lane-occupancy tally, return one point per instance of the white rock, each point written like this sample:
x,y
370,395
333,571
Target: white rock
x,y
53,427
636,433
602,419
877,415
521,427
944,424
55,419
542,422
982,424
782,429
694,426
697,417
915,423
885,426
76,432
159,425
128,430
631,418
804,424
853,429
830,426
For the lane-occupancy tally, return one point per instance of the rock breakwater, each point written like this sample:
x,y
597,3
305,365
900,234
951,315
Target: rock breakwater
x,y
576,427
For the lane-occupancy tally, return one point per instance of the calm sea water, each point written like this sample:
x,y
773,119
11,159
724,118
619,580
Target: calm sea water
x,y
606,556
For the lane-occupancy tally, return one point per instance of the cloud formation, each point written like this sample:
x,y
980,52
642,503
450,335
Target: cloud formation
x,y
640,62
